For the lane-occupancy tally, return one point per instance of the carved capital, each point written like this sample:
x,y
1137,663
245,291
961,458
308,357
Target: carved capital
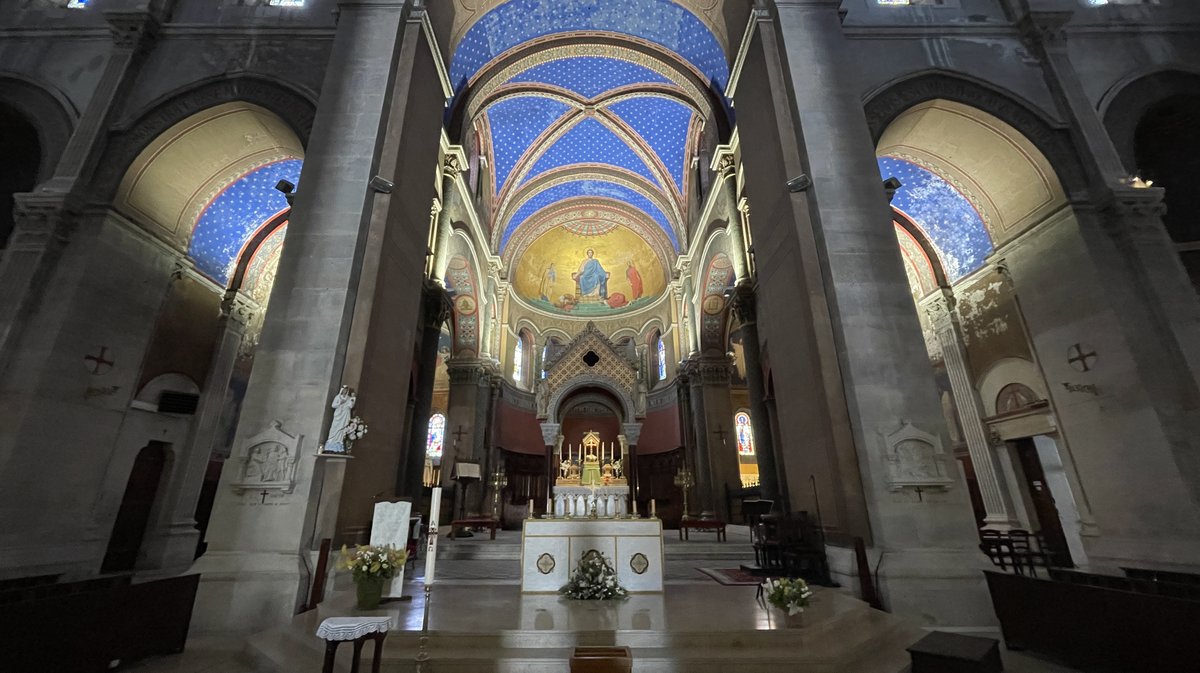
x,y
1145,202
633,432
239,308
437,306
39,221
550,433
468,371
451,167
726,165
940,307
745,304
1045,28
132,29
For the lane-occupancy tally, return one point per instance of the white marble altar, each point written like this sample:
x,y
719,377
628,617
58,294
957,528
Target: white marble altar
x,y
551,548
576,501
390,525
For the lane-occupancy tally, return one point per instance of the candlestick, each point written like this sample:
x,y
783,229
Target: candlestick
x,y
530,509
548,510
653,509
634,501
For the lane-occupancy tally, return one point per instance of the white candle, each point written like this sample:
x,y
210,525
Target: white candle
x,y
634,501
548,510
435,508
653,510
530,516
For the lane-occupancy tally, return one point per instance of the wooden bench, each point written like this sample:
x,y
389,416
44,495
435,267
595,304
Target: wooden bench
x,y
702,524
478,522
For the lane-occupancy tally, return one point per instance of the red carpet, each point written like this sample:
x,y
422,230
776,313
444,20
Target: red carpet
x,y
732,577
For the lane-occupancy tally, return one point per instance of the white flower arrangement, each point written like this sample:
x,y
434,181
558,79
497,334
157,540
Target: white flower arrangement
x,y
789,595
370,561
594,579
355,429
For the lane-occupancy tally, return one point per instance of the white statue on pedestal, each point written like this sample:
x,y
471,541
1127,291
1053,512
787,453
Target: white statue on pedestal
x,y
343,406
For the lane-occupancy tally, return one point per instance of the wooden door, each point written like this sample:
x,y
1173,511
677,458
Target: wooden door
x,y
136,505
1043,504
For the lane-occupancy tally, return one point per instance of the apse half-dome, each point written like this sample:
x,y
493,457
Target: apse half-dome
x,y
589,268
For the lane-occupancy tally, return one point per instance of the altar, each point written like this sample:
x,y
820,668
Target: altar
x,y
551,548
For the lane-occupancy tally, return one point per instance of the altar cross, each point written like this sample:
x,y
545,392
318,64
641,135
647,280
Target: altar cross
x,y
720,433
458,435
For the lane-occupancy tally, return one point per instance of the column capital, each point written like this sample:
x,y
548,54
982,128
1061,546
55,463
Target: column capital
x,y
745,303
239,308
551,433
632,432
437,307
1045,28
1129,200
132,29
466,370
41,218
941,307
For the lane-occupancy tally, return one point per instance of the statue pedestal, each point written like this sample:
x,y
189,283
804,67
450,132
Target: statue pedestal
x,y
551,548
576,501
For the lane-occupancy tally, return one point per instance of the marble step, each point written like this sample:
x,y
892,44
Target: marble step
x,y
496,551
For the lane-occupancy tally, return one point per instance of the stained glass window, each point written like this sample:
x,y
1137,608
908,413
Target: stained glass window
x,y
519,360
287,3
77,4
545,353
745,432
436,439
662,360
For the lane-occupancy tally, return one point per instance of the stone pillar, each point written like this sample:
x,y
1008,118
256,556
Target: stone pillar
x,y
45,217
702,491
258,568
552,436
863,320
632,433
997,501
744,304
470,395
721,455
175,544
1150,292
435,311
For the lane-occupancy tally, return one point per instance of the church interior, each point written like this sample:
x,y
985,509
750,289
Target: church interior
x,y
894,297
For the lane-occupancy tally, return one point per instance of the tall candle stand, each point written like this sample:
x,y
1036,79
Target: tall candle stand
x,y
685,480
498,482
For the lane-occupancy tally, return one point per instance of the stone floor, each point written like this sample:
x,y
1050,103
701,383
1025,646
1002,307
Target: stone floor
x,y
483,574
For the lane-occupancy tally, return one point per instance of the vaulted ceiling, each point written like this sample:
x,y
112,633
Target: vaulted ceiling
x,y
589,114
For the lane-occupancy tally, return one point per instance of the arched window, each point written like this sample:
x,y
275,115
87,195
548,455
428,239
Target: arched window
x,y
662,360
519,360
545,354
745,432
436,439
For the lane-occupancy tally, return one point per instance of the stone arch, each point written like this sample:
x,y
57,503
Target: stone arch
x,y
1051,137
1126,104
47,110
555,411
137,129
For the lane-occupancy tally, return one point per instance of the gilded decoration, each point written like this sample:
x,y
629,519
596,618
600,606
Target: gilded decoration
x,y
586,218
573,274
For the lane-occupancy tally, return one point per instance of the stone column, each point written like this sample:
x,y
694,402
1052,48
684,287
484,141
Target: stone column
x,y
258,567
863,319
435,311
721,454
997,501
45,217
175,545
470,394
1150,292
702,491
552,436
632,432
744,304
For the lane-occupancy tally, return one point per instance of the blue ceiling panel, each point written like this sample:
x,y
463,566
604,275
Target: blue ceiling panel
x,y
659,21
235,214
663,124
592,188
943,213
590,142
589,76
515,123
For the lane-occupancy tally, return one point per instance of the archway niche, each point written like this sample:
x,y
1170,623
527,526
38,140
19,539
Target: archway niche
x,y
22,156
137,504
590,408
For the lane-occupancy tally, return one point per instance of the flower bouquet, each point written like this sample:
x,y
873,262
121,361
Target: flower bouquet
x,y
371,568
355,429
789,595
594,579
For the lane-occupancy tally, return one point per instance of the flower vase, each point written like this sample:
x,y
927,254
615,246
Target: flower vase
x,y
795,621
369,591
